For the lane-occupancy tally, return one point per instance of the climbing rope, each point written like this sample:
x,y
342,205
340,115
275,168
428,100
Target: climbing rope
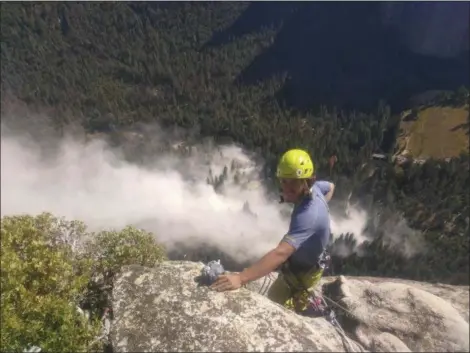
x,y
268,279
331,317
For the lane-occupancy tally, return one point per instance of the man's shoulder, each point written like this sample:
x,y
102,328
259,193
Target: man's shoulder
x,y
322,186
304,212
309,211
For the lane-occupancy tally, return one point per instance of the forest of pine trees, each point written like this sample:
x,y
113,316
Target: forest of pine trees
x,y
109,66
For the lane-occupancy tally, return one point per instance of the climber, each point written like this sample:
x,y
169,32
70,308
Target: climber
x,y
298,256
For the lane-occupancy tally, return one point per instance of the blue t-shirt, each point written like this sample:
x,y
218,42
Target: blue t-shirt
x,y
309,230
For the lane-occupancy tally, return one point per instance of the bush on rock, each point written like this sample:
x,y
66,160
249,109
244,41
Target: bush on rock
x,y
49,268
109,251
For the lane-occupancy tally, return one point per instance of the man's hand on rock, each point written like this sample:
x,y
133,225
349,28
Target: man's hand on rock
x,y
227,282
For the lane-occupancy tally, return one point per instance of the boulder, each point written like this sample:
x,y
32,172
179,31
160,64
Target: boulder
x,y
386,342
418,319
163,309
450,300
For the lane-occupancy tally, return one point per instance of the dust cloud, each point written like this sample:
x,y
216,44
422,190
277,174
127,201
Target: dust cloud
x,y
89,180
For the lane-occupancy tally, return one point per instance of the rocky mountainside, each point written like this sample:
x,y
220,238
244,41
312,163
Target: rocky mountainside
x,y
164,309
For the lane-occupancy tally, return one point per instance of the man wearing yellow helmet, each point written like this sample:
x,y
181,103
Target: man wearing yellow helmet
x,y
299,253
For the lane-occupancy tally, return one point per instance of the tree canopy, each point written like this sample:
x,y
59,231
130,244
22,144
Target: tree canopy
x,y
109,66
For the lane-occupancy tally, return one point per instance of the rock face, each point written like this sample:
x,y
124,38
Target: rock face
x,y
421,320
399,301
457,296
163,309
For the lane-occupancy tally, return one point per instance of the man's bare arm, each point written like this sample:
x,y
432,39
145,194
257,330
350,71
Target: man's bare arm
x,y
267,263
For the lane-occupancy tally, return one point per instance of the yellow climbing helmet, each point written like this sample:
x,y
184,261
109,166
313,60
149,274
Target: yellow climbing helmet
x,y
295,164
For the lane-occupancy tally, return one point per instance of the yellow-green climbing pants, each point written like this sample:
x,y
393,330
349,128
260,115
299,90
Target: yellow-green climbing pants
x,y
292,291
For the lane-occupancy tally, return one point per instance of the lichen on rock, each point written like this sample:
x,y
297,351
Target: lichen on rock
x,y
163,309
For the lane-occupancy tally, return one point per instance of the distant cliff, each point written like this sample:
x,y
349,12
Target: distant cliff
x,y
354,54
437,28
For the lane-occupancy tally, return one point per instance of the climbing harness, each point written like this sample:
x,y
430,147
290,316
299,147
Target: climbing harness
x,y
317,306
314,305
210,272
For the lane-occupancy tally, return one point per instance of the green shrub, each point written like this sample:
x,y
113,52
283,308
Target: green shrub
x,y
49,267
109,251
41,280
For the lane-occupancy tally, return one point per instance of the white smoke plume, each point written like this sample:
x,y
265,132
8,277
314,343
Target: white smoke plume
x,y
403,239
90,181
